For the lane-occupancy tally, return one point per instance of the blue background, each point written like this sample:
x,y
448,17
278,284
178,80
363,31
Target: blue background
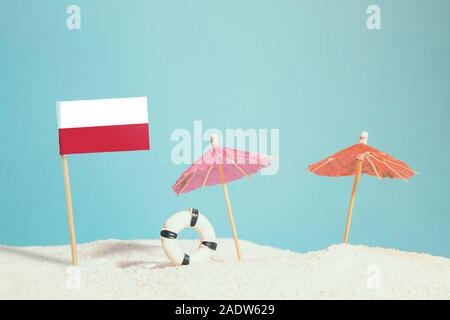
x,y
310,68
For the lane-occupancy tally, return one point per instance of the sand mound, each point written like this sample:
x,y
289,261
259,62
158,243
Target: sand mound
x,y
138,269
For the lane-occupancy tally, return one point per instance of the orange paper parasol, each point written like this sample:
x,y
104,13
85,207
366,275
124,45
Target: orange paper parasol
x,y
356,160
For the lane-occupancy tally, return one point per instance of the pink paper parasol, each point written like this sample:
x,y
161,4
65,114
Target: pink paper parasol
x,y
220,165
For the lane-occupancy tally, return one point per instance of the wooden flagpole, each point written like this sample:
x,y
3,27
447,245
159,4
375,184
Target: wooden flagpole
x,y
73,241
230,211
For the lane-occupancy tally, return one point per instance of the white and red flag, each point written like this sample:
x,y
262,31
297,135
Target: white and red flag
x,y
105,125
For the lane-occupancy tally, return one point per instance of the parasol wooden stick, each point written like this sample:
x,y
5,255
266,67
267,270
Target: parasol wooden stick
x,y
358,169
230,212
227,200
352,199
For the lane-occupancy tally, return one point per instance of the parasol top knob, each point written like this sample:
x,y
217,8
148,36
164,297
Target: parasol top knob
x,y
214,139
363,137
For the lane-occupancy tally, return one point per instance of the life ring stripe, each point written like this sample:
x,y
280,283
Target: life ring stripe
x,y
168,234
209,244
194,217
186,260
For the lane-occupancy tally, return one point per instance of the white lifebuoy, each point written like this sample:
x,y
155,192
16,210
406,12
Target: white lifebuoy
x,y
185,219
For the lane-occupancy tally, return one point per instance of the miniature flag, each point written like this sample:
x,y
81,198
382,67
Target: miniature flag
x,y
104,125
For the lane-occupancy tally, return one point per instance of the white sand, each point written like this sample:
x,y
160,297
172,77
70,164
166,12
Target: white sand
x,y
116,269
